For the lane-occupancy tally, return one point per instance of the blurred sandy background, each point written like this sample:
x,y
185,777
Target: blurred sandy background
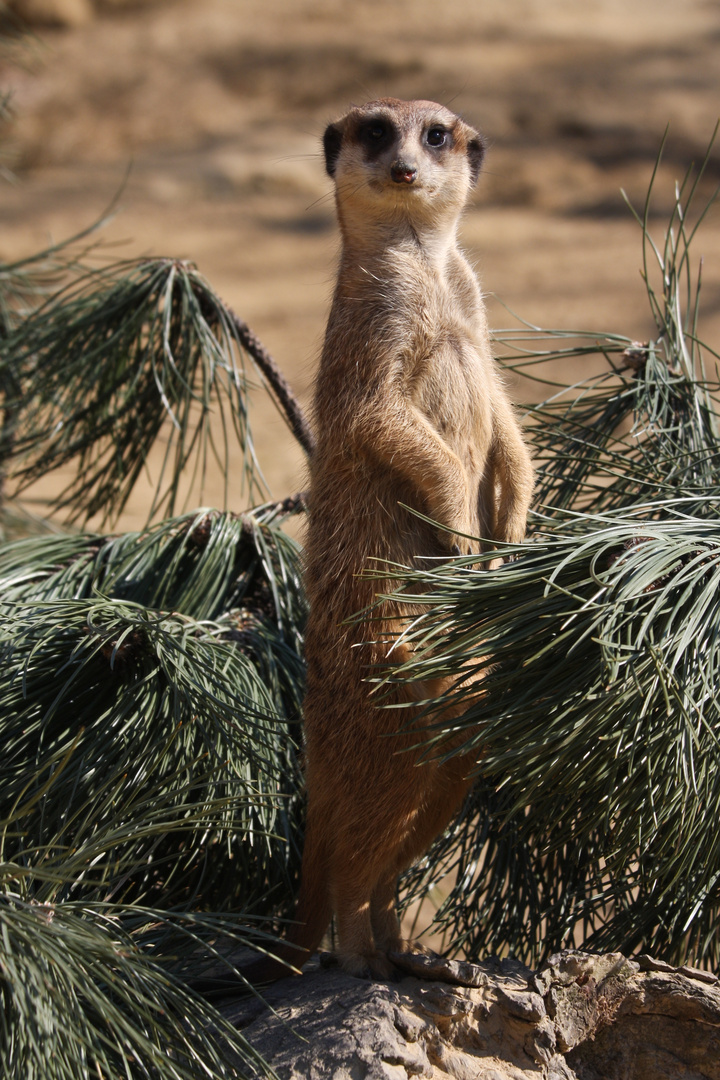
x,y
217,107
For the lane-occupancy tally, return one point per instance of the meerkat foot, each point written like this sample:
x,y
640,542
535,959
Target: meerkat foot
x,y
410,945
373,966
431,965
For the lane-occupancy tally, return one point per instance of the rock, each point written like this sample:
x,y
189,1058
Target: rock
x,y
581,1017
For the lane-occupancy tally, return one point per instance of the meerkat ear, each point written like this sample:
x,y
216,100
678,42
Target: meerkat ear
x,y
476,153
332,140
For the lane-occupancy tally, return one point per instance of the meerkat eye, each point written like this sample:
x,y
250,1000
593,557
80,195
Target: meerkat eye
x,y
376,131
436,136
376,135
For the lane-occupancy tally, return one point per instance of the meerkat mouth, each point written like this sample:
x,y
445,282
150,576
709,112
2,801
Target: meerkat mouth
x,y
384,184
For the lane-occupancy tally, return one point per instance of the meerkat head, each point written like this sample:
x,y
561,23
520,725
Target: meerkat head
x,y
404,159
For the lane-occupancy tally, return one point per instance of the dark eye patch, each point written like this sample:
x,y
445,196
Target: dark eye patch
x,y
376,134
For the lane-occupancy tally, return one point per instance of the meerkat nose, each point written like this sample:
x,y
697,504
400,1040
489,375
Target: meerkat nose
x,y
403,173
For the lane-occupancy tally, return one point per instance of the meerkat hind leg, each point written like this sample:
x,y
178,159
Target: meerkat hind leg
x,y
357,954
364,901
351,883
452,782
384,917
386,923
370,932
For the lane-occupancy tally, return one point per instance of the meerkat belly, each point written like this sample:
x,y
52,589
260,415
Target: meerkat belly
x,y
450,388
362,515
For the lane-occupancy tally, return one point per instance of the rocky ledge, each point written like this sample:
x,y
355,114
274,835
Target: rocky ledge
x,y
580,1017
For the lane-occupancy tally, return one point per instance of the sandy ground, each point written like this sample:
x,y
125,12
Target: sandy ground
x,y
217,107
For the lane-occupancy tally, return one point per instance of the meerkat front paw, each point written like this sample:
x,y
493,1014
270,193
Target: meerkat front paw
x,y
458,545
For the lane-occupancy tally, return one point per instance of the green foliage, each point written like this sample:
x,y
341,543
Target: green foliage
x,y
150,683
164,652
82,996
597,733
647,427
95,986
118,355
595,651
150,691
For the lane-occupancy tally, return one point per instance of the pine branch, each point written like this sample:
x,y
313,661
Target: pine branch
x,y
279,385
150,686
183,643
91,985
120,355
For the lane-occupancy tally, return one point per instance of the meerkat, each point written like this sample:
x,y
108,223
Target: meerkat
x,y
410,411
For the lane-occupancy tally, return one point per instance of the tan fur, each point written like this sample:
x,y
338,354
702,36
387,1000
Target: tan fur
x,y
409,409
